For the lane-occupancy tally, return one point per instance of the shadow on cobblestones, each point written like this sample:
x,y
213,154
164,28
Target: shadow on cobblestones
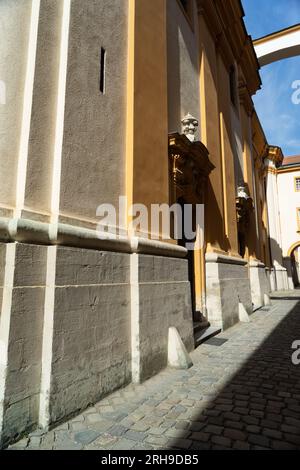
x,y
259,407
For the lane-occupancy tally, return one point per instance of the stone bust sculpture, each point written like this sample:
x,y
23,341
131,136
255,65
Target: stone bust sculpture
x,y
242,192
189,126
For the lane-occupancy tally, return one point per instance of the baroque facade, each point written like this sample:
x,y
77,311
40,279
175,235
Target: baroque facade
x,y
145,99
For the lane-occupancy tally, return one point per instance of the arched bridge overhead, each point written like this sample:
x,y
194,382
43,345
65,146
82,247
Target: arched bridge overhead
x,y
277,46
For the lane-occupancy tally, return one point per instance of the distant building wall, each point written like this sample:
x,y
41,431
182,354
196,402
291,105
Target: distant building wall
x,y
289,201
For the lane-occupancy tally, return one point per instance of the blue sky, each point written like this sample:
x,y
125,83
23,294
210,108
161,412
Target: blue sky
x,y
279,116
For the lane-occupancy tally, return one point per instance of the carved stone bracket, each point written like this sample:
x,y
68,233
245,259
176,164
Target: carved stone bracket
x,y
244,207
189,168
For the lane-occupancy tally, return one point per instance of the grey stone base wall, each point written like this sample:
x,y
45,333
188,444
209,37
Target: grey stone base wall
x,y
227,285
260,283
282,281
91,340
77,323
162,296
22,277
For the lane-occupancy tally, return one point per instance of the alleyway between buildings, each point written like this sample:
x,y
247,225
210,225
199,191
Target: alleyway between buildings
x,y
243,392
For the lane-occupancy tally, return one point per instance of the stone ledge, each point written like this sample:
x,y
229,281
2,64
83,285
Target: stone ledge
x,y
226,259
255,263
29,231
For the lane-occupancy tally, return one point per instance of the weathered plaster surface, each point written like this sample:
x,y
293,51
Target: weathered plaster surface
x,y
93,161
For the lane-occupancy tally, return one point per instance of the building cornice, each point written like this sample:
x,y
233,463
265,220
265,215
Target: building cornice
x,y
275,154
226,25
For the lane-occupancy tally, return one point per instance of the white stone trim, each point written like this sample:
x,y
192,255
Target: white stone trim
x,y
5,325
27,108
135,318
44,410
60,112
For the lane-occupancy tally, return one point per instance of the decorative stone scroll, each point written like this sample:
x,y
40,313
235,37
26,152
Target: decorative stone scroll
x,y
244,207
189,167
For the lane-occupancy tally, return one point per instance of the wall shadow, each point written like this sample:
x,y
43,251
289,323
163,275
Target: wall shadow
x,y
259,408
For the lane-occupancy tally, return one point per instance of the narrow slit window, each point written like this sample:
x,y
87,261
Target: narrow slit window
x,y
233,85
102,70
187,7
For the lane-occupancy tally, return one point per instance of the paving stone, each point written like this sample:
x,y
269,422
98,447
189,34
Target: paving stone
x,y
79,426
168,423
183,425
63,427
92,410
142,446
272,433
180,444
40,432
234,425
258,440
140,426
178,433
295,439
212,429
292,421
87,436
200,436
123,444
102,442
157,440
118,430
259,448
235,434
200,446
222,441
34,441
232,416
267,423
94,418
187,402
252,428
289,429
241,445
257,413
48,440
241,411
20,445
63,441
135,436
218,421
79,418
157,431
283,445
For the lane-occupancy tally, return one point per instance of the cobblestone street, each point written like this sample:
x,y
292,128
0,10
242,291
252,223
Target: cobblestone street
x,y
243,392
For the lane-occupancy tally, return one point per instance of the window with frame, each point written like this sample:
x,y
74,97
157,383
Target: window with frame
x,y
298,217
297,184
